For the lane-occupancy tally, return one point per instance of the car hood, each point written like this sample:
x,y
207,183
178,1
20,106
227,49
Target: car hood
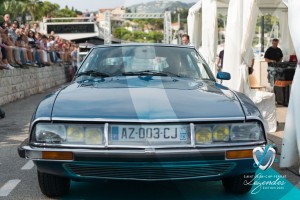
x,y
144,98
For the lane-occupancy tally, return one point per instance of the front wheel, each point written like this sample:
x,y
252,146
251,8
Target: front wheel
x,y
53,186
238,184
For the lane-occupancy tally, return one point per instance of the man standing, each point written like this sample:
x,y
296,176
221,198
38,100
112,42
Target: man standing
x,y
219,61
185,39
273,55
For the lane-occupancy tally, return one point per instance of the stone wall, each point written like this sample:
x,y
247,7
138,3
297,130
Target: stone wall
x,y
19,83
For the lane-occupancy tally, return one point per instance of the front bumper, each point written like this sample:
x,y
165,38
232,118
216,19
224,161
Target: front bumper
x,y
142,164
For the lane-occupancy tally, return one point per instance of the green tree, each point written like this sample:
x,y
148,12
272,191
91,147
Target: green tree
x,y
64,13
120,32
139,35
49,8
14,8
34,7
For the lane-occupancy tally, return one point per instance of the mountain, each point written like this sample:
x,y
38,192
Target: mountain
x,y
159,6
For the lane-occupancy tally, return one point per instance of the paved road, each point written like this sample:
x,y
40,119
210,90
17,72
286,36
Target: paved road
x,y
18,178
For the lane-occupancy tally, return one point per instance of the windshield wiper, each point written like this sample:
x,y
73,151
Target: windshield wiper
x,y
93,73
149,72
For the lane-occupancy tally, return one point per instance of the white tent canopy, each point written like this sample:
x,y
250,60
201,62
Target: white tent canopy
x,y
194,24
209,33
240,26
290,154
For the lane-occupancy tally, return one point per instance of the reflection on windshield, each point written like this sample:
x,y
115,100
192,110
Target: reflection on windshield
x,y
143,60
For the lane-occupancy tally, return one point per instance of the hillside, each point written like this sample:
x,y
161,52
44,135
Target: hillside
x,y
159,6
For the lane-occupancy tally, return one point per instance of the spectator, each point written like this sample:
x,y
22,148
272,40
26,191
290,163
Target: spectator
x,y
43,50
32,47
185,39
3,61
21,43
74,58
6,20
9,46
273,55
51,49
35,27
52,33
13,36
219,61
66,48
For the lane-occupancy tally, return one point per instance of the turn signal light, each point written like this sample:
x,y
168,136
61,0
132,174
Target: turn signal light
x,y
54,155
236,154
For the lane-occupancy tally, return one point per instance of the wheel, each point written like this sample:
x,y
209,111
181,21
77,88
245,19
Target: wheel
x,y
237,184
53,186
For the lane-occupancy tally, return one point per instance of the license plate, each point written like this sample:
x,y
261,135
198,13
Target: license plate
x,y
149,134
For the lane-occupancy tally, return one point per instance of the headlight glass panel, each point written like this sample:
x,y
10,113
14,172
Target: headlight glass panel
x,y
228,133
203,135
246,132
84,134
93,134
50,133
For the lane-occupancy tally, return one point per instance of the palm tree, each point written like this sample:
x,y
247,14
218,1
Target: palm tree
x,y
34,7
14,8
49,9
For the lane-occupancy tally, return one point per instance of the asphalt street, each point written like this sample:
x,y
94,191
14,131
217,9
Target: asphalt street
x,y
18,178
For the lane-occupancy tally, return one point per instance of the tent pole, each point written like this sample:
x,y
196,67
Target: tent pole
x,y
262,38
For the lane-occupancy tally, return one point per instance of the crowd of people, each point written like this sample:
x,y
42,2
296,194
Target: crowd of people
x,y
23,46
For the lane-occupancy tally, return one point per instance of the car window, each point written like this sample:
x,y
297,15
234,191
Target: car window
x,y
121,60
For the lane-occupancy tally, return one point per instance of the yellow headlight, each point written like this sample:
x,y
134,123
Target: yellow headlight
x,y
93,136
221,133
75,134
203,135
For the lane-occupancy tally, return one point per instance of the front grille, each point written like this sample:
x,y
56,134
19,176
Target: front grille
x,y
154,172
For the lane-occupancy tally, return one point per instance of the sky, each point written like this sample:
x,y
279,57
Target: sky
x,y
94,5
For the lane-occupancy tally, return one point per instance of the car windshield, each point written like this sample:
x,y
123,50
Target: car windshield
x,y
143,60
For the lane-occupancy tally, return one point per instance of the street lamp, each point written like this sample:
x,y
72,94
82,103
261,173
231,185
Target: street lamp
x,y
28,17
19,19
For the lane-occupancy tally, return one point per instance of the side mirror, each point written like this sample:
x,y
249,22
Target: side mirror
x,y
223,76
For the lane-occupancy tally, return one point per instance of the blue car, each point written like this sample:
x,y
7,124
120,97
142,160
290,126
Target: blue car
x,y
144,112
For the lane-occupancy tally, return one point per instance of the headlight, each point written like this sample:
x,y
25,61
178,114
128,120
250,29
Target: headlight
x,y
93,136
68,134
221,133
246,132
75,134
203,135
50,133
218,133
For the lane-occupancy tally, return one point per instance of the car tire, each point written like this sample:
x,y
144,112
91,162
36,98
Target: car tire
x,y
52,185
236,184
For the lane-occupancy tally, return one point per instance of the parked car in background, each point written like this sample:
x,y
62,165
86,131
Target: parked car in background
x,y
144,112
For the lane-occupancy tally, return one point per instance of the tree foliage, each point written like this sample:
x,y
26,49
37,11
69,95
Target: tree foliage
x,y
36,8
137,36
